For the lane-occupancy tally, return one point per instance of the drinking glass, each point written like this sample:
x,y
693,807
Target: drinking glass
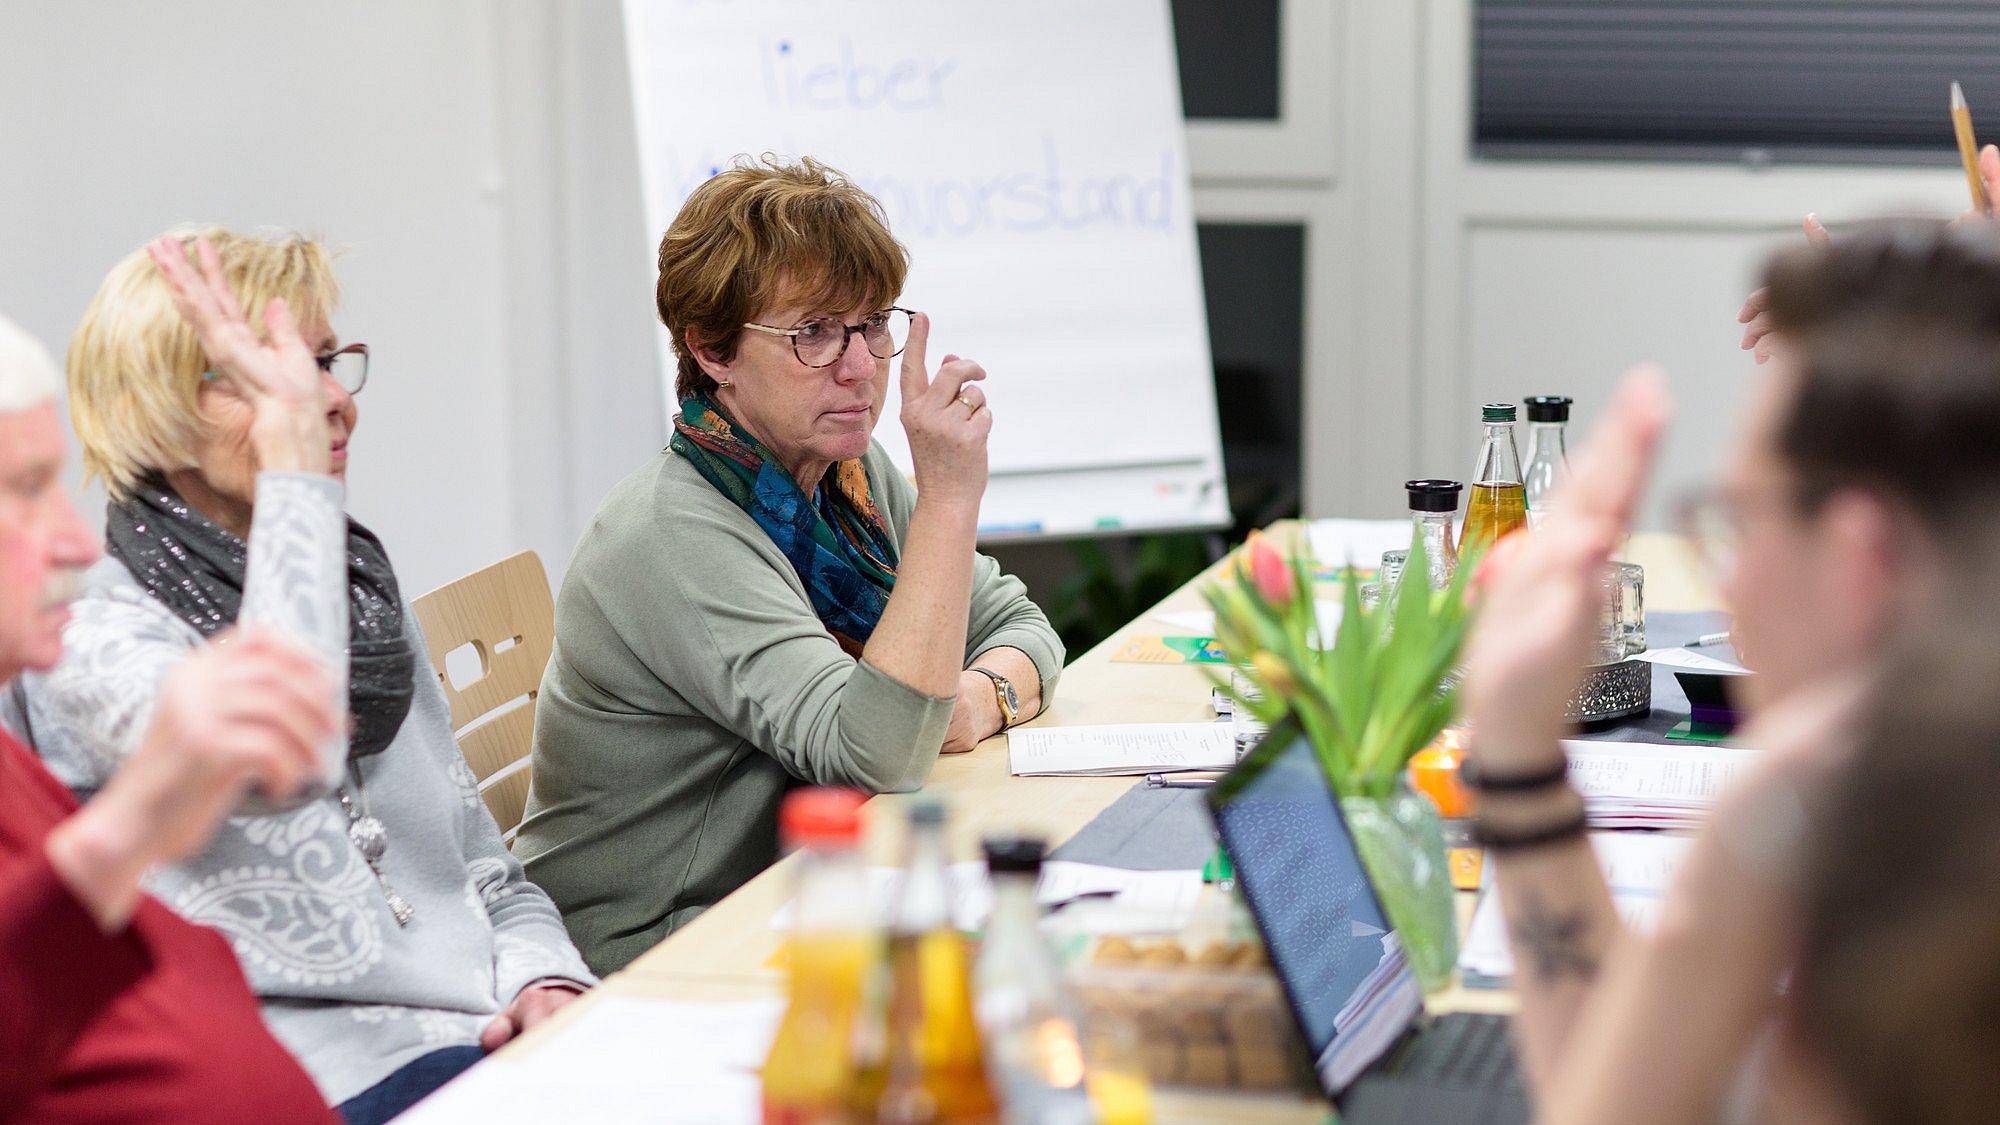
x,y
1623,632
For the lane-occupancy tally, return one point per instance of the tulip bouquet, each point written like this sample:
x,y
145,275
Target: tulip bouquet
x,y
1377,693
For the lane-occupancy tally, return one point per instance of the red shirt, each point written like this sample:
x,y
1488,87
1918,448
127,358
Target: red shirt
x,y
153,1024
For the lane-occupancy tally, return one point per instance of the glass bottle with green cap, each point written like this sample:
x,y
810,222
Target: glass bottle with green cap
x,y
1498,503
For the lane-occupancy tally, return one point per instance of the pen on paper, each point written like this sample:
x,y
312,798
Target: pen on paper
x,y
1162,781
1708,639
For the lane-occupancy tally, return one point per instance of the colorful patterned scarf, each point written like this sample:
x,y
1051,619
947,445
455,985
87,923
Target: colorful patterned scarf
x,y
839,543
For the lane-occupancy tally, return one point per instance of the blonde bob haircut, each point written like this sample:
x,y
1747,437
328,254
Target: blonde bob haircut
x,y
764,233
135,367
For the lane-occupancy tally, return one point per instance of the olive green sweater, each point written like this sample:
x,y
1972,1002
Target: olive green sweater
x,y
692,685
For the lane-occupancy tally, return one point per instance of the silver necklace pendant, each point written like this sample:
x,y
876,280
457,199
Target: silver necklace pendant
x,y
398,905
371,838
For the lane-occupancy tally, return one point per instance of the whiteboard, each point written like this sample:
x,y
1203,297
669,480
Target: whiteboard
x,y
1031,156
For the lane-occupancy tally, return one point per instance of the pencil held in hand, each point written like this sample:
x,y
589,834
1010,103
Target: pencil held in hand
x,y
1968,149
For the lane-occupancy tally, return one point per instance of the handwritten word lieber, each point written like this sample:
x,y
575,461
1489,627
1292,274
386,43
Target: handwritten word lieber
x,y
801,75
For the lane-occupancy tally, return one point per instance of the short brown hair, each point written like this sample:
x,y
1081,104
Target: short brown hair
x,y
135,366
764,231
1897,328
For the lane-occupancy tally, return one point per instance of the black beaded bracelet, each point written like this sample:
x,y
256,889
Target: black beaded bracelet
x,y
1566,829
1480,781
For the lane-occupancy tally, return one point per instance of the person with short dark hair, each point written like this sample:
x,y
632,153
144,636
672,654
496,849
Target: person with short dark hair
x,y
1856,501
768,601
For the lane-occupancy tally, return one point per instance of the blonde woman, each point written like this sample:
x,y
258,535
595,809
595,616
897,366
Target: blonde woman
x,y
387,932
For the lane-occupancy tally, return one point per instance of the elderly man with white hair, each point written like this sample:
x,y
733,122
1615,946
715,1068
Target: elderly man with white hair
x,y
112,1006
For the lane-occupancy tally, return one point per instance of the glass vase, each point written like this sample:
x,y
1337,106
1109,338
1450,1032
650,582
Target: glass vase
x,y
1401,840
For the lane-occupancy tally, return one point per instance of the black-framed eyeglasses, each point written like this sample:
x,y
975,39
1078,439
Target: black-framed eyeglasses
x,y
821,341
348,366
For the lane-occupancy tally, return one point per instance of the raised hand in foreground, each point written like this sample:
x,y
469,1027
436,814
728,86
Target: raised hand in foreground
x,y
1543,594
246,710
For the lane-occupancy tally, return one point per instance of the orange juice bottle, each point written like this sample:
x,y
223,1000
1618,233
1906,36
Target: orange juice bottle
x,y
1498,503
927,1065
1434,773
809,1074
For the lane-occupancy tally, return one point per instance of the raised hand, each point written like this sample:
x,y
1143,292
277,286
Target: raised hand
x,y
275,373
1543,598
946,421
245,710
1755,315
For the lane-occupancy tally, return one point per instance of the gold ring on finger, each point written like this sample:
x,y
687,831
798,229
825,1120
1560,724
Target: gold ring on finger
x,y
970,406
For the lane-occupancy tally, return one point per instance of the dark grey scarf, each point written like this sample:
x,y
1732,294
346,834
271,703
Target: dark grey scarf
x,y
196,568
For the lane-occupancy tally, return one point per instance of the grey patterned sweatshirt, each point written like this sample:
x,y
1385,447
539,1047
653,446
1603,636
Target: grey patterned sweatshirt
x,y
351,993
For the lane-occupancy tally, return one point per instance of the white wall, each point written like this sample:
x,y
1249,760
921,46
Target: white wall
x,y
473,158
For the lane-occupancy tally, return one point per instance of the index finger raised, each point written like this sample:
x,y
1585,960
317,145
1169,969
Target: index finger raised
x,y
1609,472
915,380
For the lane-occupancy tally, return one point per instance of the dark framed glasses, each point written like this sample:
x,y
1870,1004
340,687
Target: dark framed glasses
x,y
348,366
821,341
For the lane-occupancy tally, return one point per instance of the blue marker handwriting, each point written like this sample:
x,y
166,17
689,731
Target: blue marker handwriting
x,y
799,74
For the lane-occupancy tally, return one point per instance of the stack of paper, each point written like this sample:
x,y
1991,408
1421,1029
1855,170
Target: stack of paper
x,y
1688,660
625,1059
1109,899
1639,868
1375,1015
1337,543
1133,748
1649,785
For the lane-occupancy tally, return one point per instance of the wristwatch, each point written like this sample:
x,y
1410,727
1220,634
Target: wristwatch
x,y
1010,701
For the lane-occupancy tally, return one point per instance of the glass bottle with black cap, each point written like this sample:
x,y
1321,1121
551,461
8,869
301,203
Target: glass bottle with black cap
x,y
1433,507
1548,418
1028,1018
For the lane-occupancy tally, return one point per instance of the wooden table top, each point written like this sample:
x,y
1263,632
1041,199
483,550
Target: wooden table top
x,y
727,952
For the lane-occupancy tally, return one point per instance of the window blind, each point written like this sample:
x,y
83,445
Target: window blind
x,y
1864,80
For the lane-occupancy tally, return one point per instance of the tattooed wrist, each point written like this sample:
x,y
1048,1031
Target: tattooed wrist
x,y
1556,941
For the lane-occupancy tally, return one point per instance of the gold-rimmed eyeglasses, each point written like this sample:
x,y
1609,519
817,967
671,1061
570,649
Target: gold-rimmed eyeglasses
x,y
821,341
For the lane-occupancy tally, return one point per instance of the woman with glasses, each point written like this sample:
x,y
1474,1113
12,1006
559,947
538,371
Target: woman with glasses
x,y
768,602
385,929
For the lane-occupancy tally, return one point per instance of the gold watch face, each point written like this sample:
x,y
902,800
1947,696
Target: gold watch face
x,y
1010,703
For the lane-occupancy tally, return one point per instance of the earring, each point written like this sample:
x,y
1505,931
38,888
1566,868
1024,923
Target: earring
x,y
724,385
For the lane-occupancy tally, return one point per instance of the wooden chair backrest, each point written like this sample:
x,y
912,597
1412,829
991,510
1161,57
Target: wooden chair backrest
x,y
507,617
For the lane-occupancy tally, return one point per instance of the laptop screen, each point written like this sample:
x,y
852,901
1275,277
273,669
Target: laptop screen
x,y
1333,948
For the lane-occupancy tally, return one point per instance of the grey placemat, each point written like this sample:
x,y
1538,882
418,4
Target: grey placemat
x,y
1169,829
1146,830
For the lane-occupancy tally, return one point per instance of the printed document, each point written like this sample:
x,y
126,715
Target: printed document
x,y
1131,748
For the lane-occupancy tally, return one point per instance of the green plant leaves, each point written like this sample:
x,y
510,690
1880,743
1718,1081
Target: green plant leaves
x,y
1378,694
